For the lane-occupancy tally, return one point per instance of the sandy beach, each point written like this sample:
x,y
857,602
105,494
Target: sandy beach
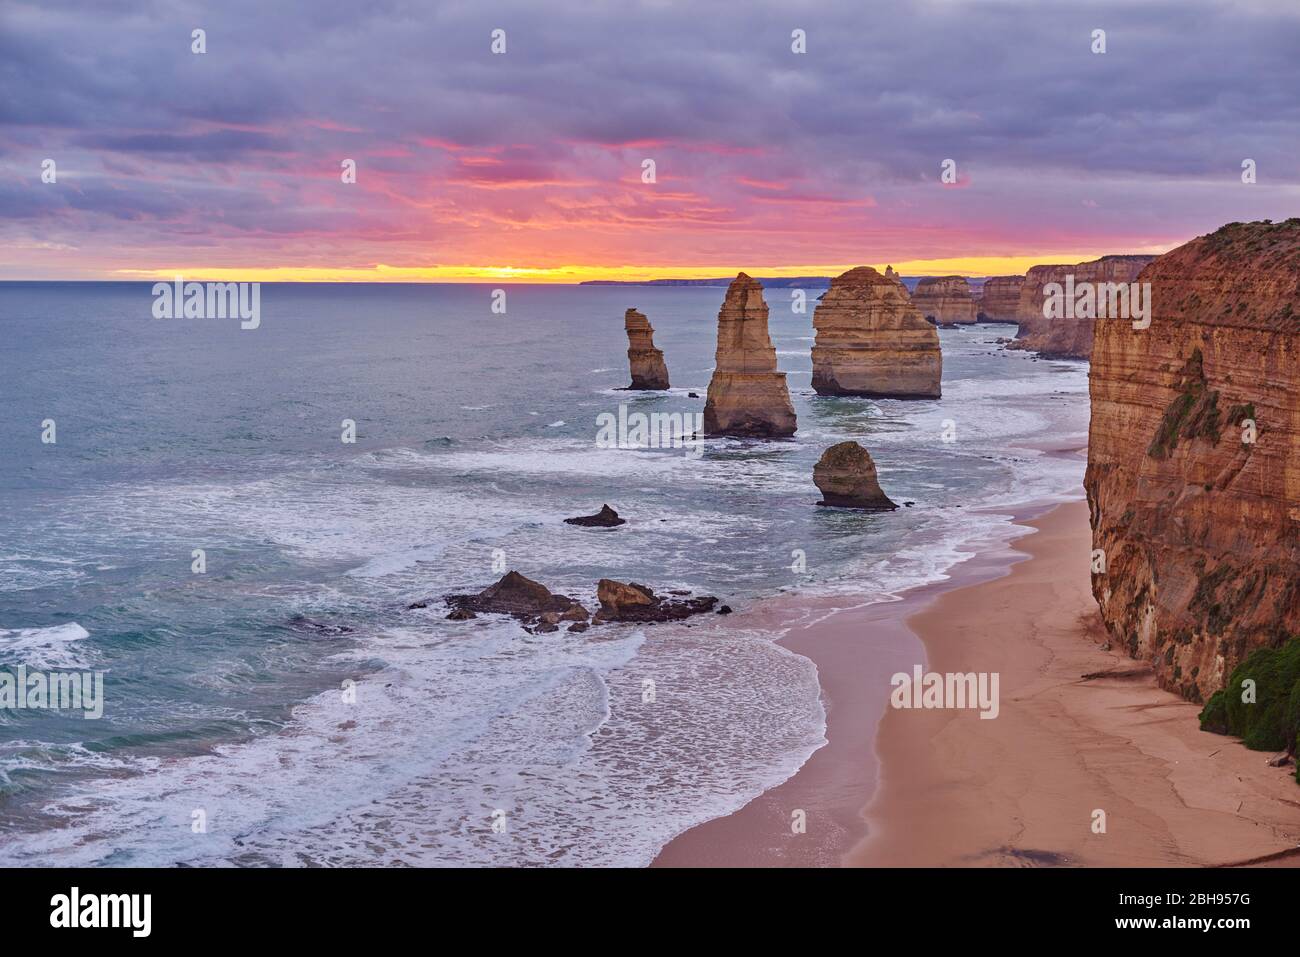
x,y
1081,729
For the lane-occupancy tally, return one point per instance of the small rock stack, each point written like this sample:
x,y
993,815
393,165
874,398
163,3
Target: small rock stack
x,y
648,368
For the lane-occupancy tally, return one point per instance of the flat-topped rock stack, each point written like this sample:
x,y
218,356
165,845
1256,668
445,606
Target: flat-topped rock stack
x,y
647,363
747,395
1000,299
872,341
945,300
1067,338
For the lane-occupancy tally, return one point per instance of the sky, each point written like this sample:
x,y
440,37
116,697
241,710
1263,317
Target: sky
x,y
528,164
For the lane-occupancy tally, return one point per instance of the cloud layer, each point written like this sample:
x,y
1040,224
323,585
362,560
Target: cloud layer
x,y
533,159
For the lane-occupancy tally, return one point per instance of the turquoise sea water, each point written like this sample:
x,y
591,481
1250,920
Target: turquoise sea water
x,y
475,438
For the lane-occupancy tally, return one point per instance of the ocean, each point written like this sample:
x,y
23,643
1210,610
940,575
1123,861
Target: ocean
x,y
286,707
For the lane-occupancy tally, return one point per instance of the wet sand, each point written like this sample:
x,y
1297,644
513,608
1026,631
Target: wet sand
x,y
1080,729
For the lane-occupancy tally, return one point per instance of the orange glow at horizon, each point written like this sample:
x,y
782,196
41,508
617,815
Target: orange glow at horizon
x,y
960,266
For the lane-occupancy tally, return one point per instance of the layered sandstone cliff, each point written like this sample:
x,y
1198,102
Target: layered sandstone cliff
x,y
747,396
945,300
1193,474
1067,338
1000,299
872,341
647,363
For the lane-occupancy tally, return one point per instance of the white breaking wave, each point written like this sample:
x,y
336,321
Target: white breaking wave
x,y
43,648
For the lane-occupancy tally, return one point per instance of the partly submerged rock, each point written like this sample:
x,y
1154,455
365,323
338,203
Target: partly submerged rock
x,y
647,363
846,477
605,518
747,395
628,601
522,598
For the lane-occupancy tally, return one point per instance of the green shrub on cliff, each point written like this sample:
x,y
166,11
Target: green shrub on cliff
x,y
1271,721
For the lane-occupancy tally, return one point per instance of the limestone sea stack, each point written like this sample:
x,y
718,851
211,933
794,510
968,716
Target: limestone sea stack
x,y
1000,299
1067,338
945,300
872,341
647,362
1193,475
846,477
747,396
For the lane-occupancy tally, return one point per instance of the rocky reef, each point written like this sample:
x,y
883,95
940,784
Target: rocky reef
x,y
747,396
872,341
629,601
1067,338
846,477
1000,299
647,363
1193,477
542,611
530,602
945,300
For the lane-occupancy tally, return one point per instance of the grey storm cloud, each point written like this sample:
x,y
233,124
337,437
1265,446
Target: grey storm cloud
x,y
886,90
893,83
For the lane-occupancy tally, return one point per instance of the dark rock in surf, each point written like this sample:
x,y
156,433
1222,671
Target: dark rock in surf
x,y
605,518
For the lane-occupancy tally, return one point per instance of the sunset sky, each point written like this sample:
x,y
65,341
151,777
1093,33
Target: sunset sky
x,y
527,165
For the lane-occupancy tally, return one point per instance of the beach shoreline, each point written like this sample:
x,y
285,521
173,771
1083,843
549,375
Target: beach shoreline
x,y
1081,729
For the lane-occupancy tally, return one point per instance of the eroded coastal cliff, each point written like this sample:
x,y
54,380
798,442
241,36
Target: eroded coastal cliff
x,y
1067,337
1193,477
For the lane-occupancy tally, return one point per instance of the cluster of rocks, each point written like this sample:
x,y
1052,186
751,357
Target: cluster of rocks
x,y
542,611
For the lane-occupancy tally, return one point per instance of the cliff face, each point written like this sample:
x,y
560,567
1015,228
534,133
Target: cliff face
x,y
872,341
1000,299
647,363
1067,338
946,300
747,396
1193,474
